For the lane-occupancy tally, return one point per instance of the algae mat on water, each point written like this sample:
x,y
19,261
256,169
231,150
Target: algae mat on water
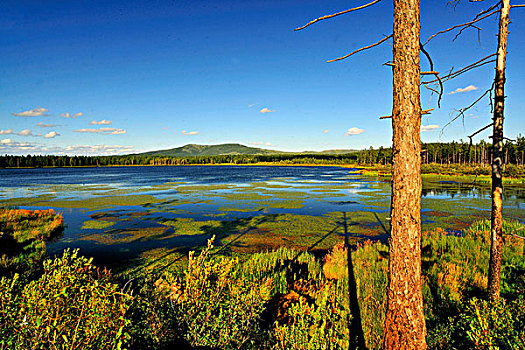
x,y
95,203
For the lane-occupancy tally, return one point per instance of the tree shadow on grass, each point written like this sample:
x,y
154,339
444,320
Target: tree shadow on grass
x,y
298,271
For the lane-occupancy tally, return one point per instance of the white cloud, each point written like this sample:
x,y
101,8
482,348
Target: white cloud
x,y
102,122
465,89
426,128
35,112
190,132
6,132
260,143
326,131
25,132
68,115
13,147
51,134
97,149
10,146
252,105
42,125
266,110
354,131
107,131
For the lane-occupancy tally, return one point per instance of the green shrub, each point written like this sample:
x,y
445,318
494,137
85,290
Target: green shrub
x,y
73,305
455,277
321,323
153,325
496,325
213,304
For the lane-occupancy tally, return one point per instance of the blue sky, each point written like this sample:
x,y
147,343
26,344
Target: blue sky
x,y
113,77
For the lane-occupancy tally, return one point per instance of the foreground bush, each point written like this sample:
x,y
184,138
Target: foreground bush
x,y
497,326
73,305
276,299
214,304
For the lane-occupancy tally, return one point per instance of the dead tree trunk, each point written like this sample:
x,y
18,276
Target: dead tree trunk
x,y
405,322
497,154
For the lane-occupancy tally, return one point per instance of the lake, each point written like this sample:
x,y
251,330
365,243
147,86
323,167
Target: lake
x,y
122,215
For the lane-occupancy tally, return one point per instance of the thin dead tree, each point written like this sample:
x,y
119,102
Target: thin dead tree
x,y
496,241
405,322
497,107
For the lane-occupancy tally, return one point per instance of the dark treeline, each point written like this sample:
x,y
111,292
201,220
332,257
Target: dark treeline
x,y
11,161
432,153
453,153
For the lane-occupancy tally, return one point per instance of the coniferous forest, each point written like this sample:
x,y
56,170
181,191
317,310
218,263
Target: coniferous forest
x,y
478,154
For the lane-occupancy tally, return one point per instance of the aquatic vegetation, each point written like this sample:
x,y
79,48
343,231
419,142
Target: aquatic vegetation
x,y
188,226
96,224
243,209
311,193
202,188
102,202
34,201
129,235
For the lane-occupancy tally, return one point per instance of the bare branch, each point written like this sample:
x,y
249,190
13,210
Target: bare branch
x,y
463,70
429,73
496,5
477,132
337,14
460,25
462,29
361,49
423,112
480,130
433,90
436,74
517,6
461,112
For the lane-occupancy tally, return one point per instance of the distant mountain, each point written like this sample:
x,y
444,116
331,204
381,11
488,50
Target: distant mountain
x,y
209,150
229,148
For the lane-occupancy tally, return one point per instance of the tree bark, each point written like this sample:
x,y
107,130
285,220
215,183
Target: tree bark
x,y
497,154
405,322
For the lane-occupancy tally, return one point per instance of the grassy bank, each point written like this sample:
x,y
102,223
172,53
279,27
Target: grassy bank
x,y
280,299
512,174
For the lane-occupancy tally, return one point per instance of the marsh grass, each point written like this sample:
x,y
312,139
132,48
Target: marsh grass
x,y
23,234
